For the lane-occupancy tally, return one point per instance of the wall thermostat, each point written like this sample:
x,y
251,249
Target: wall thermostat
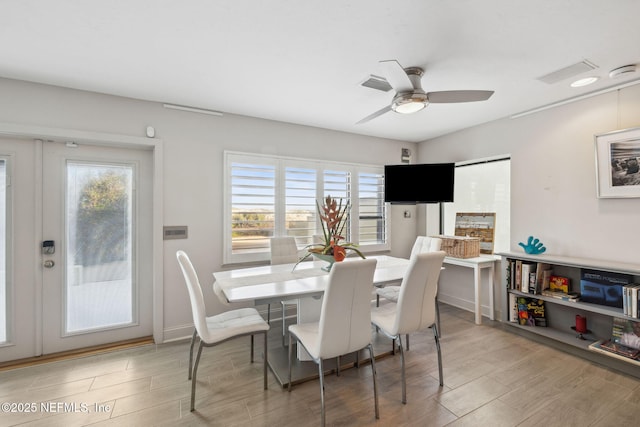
x,y
151,132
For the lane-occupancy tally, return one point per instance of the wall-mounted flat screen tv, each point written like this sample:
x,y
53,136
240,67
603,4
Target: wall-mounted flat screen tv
x,y
419,183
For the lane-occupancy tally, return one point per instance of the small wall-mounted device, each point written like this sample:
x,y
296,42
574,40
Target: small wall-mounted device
x,y
151,132
171,232
405,157
48,247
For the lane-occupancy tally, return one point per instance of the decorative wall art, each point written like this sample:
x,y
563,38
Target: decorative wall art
x,y
618,163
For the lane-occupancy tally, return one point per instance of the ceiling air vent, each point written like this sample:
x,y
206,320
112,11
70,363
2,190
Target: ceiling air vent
x,y
567,72
376,82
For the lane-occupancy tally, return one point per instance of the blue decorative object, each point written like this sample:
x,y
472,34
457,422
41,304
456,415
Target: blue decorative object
x,y
534,246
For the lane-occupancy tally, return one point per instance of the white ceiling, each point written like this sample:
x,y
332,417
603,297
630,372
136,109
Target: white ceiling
x,y
303,61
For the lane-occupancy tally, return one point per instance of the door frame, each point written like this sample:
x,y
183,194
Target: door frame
x,y
155,145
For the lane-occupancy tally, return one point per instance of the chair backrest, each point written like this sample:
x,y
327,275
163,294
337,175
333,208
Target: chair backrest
x,y
345,317
198,308
283,250
417,299
425,244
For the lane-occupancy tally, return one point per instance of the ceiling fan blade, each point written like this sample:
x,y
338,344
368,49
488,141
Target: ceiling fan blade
x,y
374,115
396,76
450,96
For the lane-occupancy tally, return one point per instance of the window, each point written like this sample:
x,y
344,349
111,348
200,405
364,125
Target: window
x,y
274,196
482,186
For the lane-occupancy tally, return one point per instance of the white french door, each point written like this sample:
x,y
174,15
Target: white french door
x,y
90,246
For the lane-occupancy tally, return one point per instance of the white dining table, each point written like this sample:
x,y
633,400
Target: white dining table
x,y
273,283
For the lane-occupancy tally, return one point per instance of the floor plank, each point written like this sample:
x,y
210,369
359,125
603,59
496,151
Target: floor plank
x,y
491,377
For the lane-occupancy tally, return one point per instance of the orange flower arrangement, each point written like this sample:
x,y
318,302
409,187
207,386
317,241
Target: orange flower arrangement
x,y
333,217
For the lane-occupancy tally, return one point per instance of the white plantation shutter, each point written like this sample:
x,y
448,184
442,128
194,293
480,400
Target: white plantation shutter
x,y
269,196
337,184
300,202
252,207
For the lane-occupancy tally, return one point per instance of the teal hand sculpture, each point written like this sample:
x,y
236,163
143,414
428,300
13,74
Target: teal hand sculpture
x,y
533,246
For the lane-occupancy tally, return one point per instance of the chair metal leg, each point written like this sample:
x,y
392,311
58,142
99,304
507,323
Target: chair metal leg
x,y
402,367
436,334
407,342
269,313
193,341
264,367
252,348
284,331
193,378
321,374
375,384
290,354
437,316
377,305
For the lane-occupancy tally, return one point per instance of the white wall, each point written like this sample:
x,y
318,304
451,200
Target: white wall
x,y
553,178
193,166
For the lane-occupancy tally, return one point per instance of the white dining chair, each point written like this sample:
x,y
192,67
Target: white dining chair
x,y
284,250
416,306
422,244
345,321
214,330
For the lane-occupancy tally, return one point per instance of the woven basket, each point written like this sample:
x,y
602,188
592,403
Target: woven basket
x,y
460,247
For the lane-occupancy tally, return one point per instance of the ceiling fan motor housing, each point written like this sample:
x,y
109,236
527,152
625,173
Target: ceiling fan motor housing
x,y
416,100
409,102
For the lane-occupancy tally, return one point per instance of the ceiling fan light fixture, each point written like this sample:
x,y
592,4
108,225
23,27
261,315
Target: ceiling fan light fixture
x,y
409,103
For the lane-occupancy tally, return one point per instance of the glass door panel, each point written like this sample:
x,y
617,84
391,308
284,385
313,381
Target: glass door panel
x,y
99,282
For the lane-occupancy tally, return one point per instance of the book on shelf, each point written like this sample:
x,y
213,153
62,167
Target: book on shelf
x,y
569,296
616,349
625,340
626,332
626,300
630,300
603,287
531,311
527,268
559,283
518,275
513,308
620,349
543,273
532,283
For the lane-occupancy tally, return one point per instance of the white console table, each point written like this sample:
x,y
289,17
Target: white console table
x,y
478,263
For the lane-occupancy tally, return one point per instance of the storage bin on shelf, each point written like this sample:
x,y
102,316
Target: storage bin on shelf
x,y
460,246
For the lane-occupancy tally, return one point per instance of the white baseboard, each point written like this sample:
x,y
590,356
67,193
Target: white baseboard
x,y
468,305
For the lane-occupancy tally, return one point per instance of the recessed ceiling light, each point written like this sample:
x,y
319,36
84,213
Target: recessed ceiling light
x,y
585,81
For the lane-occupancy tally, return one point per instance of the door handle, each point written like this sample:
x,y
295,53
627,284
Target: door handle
x,y
48,263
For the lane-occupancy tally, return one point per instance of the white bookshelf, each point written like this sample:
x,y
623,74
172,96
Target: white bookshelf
x,y
560,314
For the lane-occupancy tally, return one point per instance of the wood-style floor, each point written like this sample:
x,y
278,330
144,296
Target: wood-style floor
x,y
492,378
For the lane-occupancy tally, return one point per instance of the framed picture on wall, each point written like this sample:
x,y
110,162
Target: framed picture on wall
x,y
618,163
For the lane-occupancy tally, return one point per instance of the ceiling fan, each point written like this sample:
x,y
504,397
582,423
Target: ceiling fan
x,y
410,97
